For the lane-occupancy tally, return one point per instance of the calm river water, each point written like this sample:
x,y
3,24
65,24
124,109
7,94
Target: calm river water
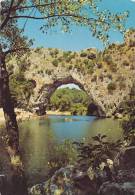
x,y
39,137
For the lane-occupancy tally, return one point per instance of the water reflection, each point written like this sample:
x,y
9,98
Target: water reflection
x,y
39,138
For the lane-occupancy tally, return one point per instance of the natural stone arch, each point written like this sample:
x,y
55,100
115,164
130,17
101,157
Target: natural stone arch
x,y
107,77
47,90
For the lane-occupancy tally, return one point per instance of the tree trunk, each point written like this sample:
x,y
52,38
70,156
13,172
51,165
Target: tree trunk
x,y
18,181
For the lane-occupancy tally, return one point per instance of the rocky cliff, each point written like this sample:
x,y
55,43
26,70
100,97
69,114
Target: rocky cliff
x,y
107,77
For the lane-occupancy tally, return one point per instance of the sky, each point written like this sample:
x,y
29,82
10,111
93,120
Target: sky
x,y
80,37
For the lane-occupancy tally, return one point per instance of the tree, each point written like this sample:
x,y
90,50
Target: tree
x,y
53,12
129,123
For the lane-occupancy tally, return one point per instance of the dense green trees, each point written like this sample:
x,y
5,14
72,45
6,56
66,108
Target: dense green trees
x,y
73,100
21,90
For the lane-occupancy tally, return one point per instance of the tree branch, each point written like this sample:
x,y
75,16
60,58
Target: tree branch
x,y
15,50
52,16
15,8
8,15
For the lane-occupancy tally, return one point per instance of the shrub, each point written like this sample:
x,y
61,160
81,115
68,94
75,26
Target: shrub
x,y
101,77
60,59
99,65
83,54
56,51
132,43
113,67
66,54
122,85
48,71
92,154
92,56
51,53
70,67
55,62
90,71
108,59
68,59
94,78
86,61
109,76
90,67
111,86
125,63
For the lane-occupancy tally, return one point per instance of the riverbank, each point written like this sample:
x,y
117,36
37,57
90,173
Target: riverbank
x,y
20,113
25,115
57,112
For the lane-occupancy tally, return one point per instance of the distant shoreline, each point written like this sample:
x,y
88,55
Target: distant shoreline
x,y
25,115
20,113
66,113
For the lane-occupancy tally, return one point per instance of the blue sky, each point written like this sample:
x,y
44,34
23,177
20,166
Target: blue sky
x,y
80,37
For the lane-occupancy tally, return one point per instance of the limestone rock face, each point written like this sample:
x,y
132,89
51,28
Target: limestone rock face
x,y
107,77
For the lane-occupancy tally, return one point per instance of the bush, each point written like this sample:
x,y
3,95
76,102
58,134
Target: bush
x,y
21,89
70,67
66,54
99,65
94,78
122,85
91,56
86,62
109,76
92,154
125,63
108,59
60,59
83,54
48,71
56,51
68,59
111,86
55,62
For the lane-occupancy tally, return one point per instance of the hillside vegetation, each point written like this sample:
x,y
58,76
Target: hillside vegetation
x,y
111,70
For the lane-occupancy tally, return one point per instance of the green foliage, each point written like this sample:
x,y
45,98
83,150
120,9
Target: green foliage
x,y
66,54
66,99
78,109
108,59
122,85
55,62
56,51
83,54
89,65
129,124
48,71
98,150
63,155
111,86
21,89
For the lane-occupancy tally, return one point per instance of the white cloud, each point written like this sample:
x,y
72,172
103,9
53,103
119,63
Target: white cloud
x,y
132,0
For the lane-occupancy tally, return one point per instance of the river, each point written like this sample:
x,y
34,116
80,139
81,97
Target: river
x,y
40,137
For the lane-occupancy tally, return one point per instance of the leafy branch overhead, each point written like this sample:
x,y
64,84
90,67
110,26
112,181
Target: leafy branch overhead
x,y
64,13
